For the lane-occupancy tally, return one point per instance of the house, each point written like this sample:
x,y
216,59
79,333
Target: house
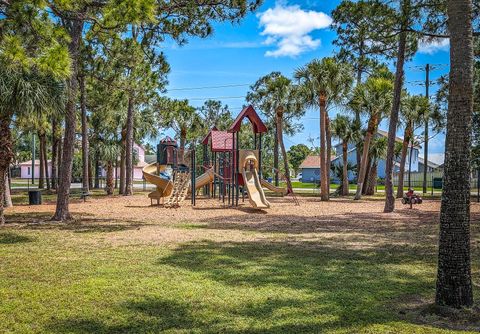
x,y
26,169
139,154
431,166
310,167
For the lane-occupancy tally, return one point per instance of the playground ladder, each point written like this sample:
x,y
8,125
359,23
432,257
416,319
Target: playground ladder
x,y
180,189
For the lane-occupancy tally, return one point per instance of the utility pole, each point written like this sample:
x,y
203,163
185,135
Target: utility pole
x,y
33,158
426,120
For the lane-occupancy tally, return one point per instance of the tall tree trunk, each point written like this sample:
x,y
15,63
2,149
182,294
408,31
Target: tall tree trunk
x,y
90,174
372,179
279,126
358,120
275,157
372,125
7,197
45,160
54,153
345,168
97,172
367,176
397,93
128,149
41,142
109,181
85,144
323,149
403,160
59,158
328,134
122,163
410,155
454,280
6,155
62,211
425,157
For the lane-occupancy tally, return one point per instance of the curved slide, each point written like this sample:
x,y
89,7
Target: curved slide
x,y
256,196
271,187
164,186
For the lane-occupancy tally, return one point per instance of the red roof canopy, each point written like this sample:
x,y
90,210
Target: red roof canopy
x,y
222,141
209,134
251,114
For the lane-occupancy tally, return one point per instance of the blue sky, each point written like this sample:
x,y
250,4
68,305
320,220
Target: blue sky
x,y
280,36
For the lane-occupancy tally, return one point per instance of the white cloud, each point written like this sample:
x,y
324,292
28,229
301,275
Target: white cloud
x,y
288,28
433,46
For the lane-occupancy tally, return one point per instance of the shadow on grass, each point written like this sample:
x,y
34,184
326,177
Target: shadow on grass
x,y
86,224
7,238
272,287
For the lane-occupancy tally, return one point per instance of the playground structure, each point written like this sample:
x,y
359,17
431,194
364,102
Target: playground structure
x,y
226,172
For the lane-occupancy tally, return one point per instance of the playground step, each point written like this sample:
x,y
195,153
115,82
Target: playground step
x,y
180,189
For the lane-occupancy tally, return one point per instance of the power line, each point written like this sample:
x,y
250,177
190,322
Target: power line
x,y
208,87
216,98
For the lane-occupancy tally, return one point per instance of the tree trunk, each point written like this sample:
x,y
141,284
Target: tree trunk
x,y
358,120
372,125
275,157
454,281
367,176
345,168
425,158
279,126
62,211
403,160
372,179
410,165
54,153
41,179
59,158
85,144
323,150
97,172
45,160
90,174
6,155
109,181
181,151
328,134
122,163
7,197
128,150
397,93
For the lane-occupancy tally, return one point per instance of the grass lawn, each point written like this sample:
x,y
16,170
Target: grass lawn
x,y
125,267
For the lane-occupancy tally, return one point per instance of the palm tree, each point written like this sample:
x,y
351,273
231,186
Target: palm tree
x,y
345,129
324,83
378,150
372,98
23,92
454,279
183,119
108,153
278,98
411,114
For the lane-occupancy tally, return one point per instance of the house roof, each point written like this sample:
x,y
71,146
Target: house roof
x,y
311,161
29,163
251,114
397,139
429,163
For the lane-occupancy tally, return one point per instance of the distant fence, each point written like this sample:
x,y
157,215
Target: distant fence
x,y
434,179
99,183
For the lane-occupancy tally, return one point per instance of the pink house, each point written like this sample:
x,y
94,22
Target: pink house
x,y
26,169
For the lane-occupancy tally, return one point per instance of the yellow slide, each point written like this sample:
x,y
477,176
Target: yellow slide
x,y
271,187
204,179
164,186
256,196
